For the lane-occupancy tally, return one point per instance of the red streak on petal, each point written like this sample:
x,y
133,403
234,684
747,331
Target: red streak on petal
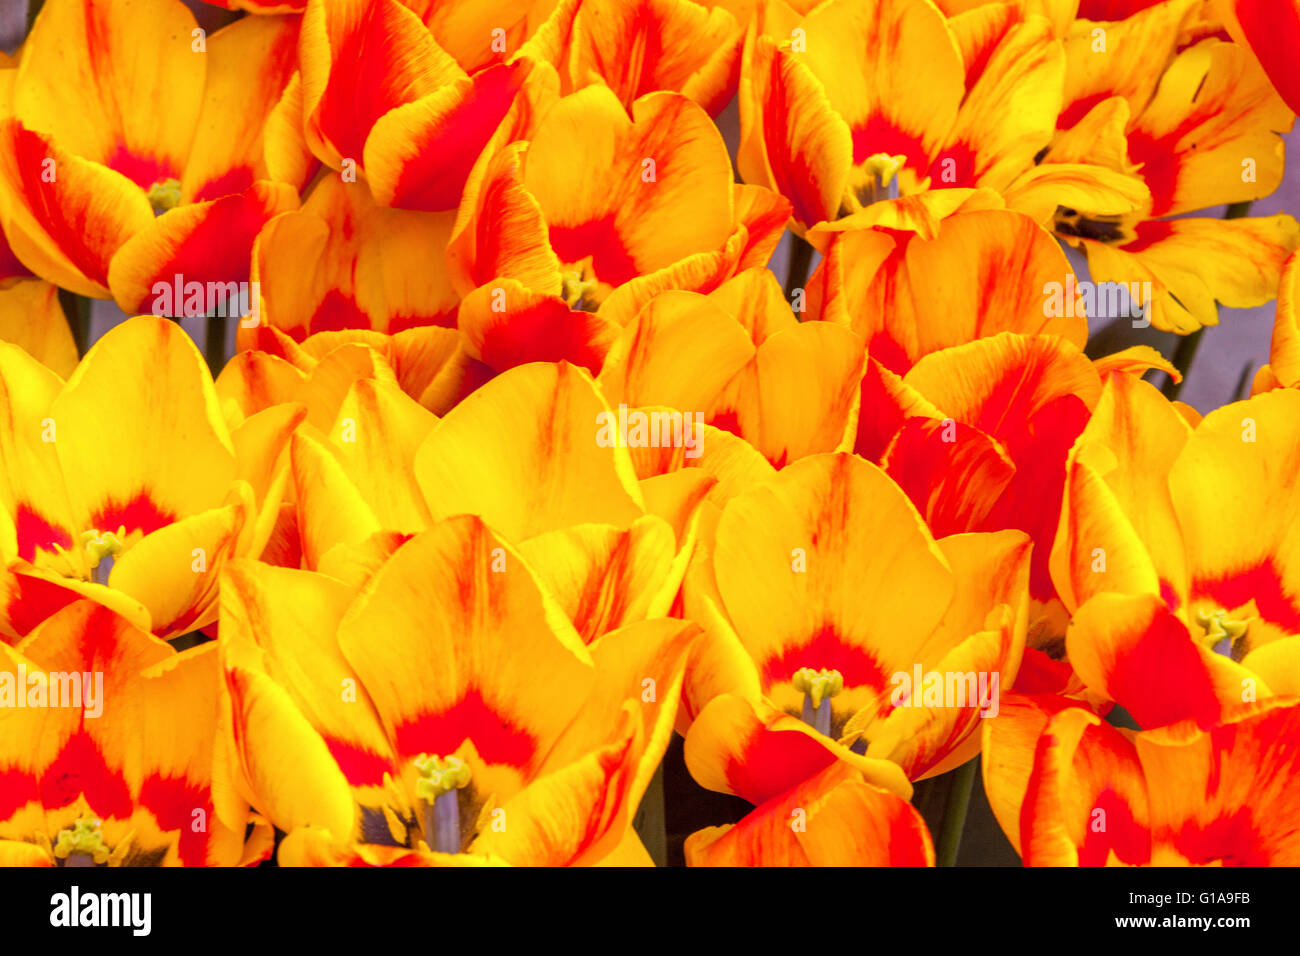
x,y
361,767
1121,833
825,649
34,599
17,789
233,181
34,532
497,739
773,761
140,513
144,171
79,769
610,258
172,801
1228,840
880,135
1264,584
337,311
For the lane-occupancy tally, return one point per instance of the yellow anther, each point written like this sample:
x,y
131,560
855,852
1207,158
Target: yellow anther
x,y
82,839
165,194
818,685
440,775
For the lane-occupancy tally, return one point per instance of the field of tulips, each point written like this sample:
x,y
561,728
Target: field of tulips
x,y
693,433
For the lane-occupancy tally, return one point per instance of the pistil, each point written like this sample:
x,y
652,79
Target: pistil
x,y
818,687
440,780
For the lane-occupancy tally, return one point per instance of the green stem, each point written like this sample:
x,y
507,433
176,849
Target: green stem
x,y
1237,210
954,813
215,346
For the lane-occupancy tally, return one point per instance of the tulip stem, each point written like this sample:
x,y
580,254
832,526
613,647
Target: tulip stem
x,y
800,260
954,811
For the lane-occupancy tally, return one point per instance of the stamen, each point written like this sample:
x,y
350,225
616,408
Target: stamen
x,y
164,195
1220,633
82,844
875,180
440,779
579,291
102,550
818,688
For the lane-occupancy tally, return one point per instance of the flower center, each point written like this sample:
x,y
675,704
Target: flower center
x,y
440,779
81,844
818,687
1221,633
580,291
102,550
164,195
875,180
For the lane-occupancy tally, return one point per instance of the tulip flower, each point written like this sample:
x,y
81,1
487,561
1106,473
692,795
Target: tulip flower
x,y
481,724
115,178
900,138
822,586
1199,518
1202,129
136,502
1070,790
107,750
594,216
383,100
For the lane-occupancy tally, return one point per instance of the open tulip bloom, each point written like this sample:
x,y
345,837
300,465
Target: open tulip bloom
x,y
632,433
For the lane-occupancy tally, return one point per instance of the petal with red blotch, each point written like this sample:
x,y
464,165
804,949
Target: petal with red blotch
x,y
638,48
1117,500
755,752
1134,650
124,96
1226,796
250,63
1233,489
506,324
1214,106
834,818
65,216
501,230
174,571
998,384
1009,746
159,450
32,318
865,55
536,431
617,191
1086,803
1009,114
1272,32
360,59
885,403
419,154
286,621
370,267
471,653
953,473
790,553
604,577
995,265
791,139
205,242
30,595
